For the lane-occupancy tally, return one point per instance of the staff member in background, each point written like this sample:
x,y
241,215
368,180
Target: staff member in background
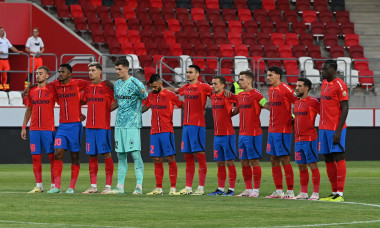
x,y
4,63
34,45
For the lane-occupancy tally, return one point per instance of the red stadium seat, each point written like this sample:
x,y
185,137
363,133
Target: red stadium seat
x,y
181,37
229,14
361,64
213,50
263,38
116,12
173,25
176,49
266,27
76,10
169,37
270,51
299,51
198,4
188,49
164,49
212,63
356,51
213,14
291,39
208,74
292,71
342,16
330,40
220,37
285,51
249,38
212,4
121,24
188,26
141,12
202,26
234,38
260,15
146,61
102,11
96,2
127,48
314,51
250,27
129,13
97,36
309,16
366,78
199,62
139,48
234,26
276,63
147,24
206,37
133,24
146,36
151,48
275,15
157,58
148,71
282,27
277,38
320,5
193,37
299,27
122,36
160,24
318,28
134,36
168,13
200,49
197,14
63,12
155,13
240,4
332,28
291,16
80,24
241,50
306,39
326,16
244,15
351,40
336,51
256,50
302,5
219,26
268,4
182,14
283,5
347,28
168,4
156,3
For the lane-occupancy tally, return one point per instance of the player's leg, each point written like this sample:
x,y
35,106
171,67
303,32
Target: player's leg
x,y
189,160
75,168
139,171
220,162
339,157
301,161
276,168
92,151
122,167
231,178
245,166
199,147
173,170
289,176
51,159
156,152
316,179
109,167
36,150
254,154
229,155
311,154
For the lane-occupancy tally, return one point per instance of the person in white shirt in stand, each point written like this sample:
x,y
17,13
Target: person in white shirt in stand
x,y
34,45
5,45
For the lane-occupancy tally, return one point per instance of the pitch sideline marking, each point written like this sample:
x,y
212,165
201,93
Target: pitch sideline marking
x,y
323,224
60,224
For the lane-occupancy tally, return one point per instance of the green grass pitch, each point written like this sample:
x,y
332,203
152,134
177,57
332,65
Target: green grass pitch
x,y
18,209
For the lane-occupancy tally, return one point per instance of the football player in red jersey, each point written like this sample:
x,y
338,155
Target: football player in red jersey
x,y
332,128
40,109
162,101
305,110
281,98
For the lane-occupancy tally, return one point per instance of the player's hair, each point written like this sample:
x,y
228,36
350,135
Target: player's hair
x,y
221,79
248,74
277,70
95,64
331,63
68,66
124,62
36,28
196,67
154,78
44,68
306,82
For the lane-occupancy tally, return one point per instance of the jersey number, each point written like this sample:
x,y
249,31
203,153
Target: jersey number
x,y
57,142
216,155
240,152
298,156
33,147
87,147
151,149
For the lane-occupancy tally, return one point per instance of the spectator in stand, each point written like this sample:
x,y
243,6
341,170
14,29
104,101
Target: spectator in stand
x,y
34,46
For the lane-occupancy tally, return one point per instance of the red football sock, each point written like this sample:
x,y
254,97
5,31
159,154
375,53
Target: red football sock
x,y
316,178
173,173
37,167
159,173
277,177
331,170
202,172
51,158
190,169
289,176
247,175
304,180
341,174
93,167
109,170
222,176
232,175
74,175
57,173
256,171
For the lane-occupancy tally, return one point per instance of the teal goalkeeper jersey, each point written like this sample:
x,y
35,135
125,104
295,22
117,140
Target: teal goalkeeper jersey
x,y
129,98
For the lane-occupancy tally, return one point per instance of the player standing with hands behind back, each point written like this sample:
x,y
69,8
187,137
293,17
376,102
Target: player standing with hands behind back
x,y
129,93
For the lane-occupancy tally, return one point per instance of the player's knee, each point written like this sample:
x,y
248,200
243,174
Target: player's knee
x,y
313,165
230,163
170,158
157,160
107,155
254,162
285,160
302,167
220,163
244,162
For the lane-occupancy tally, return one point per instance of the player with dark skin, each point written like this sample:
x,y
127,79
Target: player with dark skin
x,y
329,73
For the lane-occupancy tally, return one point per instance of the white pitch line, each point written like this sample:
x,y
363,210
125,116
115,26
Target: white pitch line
x,y
323,224
58,224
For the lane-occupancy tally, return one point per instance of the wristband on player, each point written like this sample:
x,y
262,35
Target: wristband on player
x,y
23,126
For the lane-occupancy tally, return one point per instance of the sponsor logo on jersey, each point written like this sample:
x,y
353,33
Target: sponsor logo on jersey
x,y
275,103
158,107
191,97
218,107
300,113
95,99
41,102
123,97
66,95
245,106
323,97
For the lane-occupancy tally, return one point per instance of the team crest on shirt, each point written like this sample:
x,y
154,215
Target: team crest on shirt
x,y
344,93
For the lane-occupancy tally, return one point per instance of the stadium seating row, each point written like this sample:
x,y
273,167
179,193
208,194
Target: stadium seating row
x,y
12,98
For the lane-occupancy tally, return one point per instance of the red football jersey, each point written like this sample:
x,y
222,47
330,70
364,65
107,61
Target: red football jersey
x,y
69,97
42,101
99,99
195,101
332,93
305,111
249,112
280,102
162,105
221,112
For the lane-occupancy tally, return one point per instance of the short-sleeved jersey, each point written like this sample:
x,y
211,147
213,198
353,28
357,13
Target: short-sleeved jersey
x,y
249,112
221,112
129,98
4,46
99,99
195,101
280,102
162,105
332,93
34,44
69,99
41,100
305,111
